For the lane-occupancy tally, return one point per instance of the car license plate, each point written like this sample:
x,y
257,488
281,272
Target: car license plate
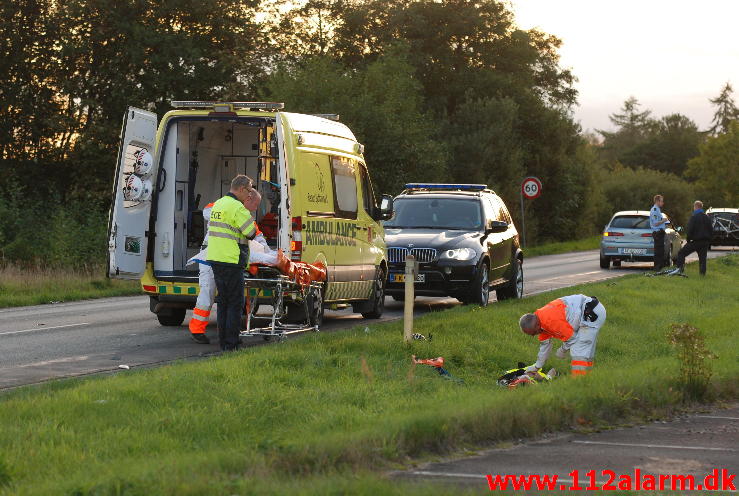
x,y
401,278
633,251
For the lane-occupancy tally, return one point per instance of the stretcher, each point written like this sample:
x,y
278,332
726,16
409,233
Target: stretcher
x,y
293,290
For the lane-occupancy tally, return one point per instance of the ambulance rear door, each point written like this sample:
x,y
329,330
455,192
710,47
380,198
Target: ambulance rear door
x,y
285,234
128,224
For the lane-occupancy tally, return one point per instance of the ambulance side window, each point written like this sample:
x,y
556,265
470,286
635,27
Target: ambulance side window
x,y
368,195
345,187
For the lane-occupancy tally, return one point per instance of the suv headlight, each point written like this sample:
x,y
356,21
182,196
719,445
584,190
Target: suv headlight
x,y
458,254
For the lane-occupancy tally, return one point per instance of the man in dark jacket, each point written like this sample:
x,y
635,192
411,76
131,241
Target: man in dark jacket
x,y
699,239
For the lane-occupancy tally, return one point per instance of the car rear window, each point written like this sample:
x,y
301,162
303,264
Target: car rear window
x,y
724,215
436,213
630,222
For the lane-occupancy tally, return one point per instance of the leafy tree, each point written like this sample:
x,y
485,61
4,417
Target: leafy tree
x,y
674,141
716,169
305,30
726,111
381,104
111,54
633,189
632,128
458,46
30,110
484,149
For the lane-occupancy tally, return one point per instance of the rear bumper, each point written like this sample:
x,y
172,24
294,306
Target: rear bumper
x,y
637,252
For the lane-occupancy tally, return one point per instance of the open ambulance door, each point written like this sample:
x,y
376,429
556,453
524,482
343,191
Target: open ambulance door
x,y
128,223
284,236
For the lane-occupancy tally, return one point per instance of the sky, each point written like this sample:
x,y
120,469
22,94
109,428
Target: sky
x,y
671,55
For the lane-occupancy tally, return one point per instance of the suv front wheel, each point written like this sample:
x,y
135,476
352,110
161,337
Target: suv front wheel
x,y
480,290
514,288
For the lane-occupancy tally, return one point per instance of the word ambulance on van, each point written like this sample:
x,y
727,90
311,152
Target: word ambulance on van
x,y
318,205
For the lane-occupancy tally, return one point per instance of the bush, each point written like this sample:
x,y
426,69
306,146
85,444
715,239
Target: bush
x,y
695,371
633,189
48,232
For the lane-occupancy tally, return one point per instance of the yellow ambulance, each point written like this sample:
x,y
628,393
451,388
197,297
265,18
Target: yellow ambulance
x,y
318,204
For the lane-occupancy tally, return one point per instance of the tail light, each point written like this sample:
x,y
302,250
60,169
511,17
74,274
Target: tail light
x,y
296,245
612,234
150,289
646,235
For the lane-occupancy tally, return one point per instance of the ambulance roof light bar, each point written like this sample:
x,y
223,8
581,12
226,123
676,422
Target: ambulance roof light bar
x,y
331,117
232,105
445,187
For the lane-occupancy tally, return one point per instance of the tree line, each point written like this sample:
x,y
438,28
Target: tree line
x,y
437,91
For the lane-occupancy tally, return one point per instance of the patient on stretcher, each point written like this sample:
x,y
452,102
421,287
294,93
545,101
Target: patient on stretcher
x,y
302,273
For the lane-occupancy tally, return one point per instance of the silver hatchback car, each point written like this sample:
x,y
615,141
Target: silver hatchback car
x,y
628,238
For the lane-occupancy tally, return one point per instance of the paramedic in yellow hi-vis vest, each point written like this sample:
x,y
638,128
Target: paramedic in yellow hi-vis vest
x,y
229,231
575,320
207,283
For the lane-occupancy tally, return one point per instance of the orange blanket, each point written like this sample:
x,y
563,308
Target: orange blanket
x,y
300,272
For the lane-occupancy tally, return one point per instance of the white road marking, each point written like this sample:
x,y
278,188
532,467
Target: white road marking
x,y
80,358
717,417
483,476
448,474
666,446
44,328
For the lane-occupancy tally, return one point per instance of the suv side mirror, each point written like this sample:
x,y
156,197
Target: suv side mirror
x,y
386,207
496,226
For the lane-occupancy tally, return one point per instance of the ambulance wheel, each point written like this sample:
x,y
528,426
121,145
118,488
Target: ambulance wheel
x,y
171,317
378,297
605,262
315,307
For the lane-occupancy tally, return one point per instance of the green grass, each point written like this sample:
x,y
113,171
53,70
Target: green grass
x,y
34,286
324,413
592,243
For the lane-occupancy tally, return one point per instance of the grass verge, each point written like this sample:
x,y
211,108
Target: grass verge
x,y
592,243
319,415
34,286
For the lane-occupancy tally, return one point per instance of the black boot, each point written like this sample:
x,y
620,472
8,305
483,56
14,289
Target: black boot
x,y
200,338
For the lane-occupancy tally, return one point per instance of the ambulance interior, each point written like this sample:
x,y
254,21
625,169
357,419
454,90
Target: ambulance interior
x,y
199,160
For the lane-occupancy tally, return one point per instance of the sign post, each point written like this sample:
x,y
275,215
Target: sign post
x,y
411,269
530,189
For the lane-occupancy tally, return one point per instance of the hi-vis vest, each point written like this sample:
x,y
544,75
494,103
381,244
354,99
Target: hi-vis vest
x,y
553,321
230,228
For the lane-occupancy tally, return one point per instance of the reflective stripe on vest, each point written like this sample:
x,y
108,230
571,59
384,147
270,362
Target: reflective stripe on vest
x,y
553,321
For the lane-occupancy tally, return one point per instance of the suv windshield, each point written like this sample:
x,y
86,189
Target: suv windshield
x,y
436,213
630,222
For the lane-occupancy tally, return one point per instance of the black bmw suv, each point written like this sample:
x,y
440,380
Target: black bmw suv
x,y
463,238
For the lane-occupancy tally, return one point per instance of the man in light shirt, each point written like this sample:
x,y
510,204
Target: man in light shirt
x,y
657,223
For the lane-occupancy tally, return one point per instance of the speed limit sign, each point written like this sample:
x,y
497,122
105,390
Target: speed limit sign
x,y
531,187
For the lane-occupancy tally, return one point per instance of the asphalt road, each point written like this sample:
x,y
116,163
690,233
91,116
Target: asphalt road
x,y
690,445
44,342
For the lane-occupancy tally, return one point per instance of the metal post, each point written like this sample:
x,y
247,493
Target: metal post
x,y
523,223
410,279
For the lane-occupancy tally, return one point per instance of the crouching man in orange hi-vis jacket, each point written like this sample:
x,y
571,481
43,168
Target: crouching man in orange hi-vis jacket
x,y
575,320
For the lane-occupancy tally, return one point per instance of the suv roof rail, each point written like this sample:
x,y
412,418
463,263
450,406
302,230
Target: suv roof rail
x,y
227,106
446,187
